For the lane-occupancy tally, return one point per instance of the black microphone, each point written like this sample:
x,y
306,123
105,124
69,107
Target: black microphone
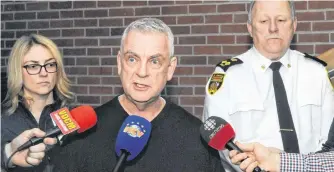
x,y
79,119
219,135
131,139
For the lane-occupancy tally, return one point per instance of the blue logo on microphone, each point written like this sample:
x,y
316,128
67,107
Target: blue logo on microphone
x,y
134,129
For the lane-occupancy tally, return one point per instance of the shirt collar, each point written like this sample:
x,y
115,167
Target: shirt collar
x,y
263,63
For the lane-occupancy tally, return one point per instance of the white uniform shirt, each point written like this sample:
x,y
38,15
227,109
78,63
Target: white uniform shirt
x,y
246,100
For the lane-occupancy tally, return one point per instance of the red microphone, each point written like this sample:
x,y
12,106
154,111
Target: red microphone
x,y
77,120
219,135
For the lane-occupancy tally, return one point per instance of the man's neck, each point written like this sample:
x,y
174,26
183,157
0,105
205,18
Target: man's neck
x,y
148,110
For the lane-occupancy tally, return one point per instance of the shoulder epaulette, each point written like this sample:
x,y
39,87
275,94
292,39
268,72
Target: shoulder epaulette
x,y
315,59
225,64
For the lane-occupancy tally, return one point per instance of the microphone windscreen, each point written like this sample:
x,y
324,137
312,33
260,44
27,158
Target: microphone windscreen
x,y
85,116
133,136
216,132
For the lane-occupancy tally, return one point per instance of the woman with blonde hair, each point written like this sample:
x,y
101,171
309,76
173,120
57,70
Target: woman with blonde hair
x,y
37,85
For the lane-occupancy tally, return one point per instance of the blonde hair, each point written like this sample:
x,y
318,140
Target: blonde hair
x,y
14,71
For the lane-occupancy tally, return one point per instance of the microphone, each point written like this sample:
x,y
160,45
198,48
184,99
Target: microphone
x,y
79,119
219,134
131,139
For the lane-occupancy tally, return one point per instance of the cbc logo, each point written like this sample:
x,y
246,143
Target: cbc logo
x,y
209,124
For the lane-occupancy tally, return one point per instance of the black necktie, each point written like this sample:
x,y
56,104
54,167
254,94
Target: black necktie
x,y
287,128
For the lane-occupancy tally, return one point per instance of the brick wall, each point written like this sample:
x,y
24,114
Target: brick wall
x,y
88,33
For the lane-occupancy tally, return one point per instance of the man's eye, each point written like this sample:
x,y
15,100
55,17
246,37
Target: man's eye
x,y
263,21
155,61
280,20
131,59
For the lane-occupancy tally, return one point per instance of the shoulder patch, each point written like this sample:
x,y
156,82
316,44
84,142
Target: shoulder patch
x,y
225,64
215,82
315,59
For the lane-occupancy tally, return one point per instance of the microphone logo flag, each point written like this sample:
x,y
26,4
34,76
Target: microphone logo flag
x,y
134,129
64,121
209,124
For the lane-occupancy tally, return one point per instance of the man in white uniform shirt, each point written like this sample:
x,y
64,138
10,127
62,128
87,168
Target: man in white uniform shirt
x,y
242,92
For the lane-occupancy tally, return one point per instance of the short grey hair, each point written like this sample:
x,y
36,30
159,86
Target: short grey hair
x,y
252,3
150,25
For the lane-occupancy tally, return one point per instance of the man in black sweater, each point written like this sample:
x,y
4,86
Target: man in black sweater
x,y
145,63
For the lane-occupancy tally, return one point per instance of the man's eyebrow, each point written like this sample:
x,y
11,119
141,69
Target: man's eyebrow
x,y
131,52
156,55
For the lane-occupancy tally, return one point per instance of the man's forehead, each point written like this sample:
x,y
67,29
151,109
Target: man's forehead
x,y
278,7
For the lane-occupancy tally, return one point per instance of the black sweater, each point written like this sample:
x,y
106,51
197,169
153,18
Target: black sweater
x,y
174,145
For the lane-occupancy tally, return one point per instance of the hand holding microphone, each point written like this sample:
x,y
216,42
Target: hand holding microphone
x,y
34,154
219,135
77,120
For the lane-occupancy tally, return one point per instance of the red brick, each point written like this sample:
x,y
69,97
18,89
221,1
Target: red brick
x,y
160,2
204,29
174,10
121,12
203,70
300,5
321,37
76,70
207,49
226,39
179,90
86,42
192,40
197,100
202,8
303,48
100,70
111,22
180,29
95,13
231,7
89,80
329,15
303,26
190,19
244,39
323,26
84,4
192,81
235,28
181,70
168,20
223,18
179,50
192,60
109,3
87,61
189,109
147,11
332,37
320,4
111,80
88,99
187,2
79,89
310,16
235,49
104,90
240,18
319,49
200,90
134,3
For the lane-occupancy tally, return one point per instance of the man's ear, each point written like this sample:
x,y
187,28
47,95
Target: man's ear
x,y
171,68
250,29
119,65
294,24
